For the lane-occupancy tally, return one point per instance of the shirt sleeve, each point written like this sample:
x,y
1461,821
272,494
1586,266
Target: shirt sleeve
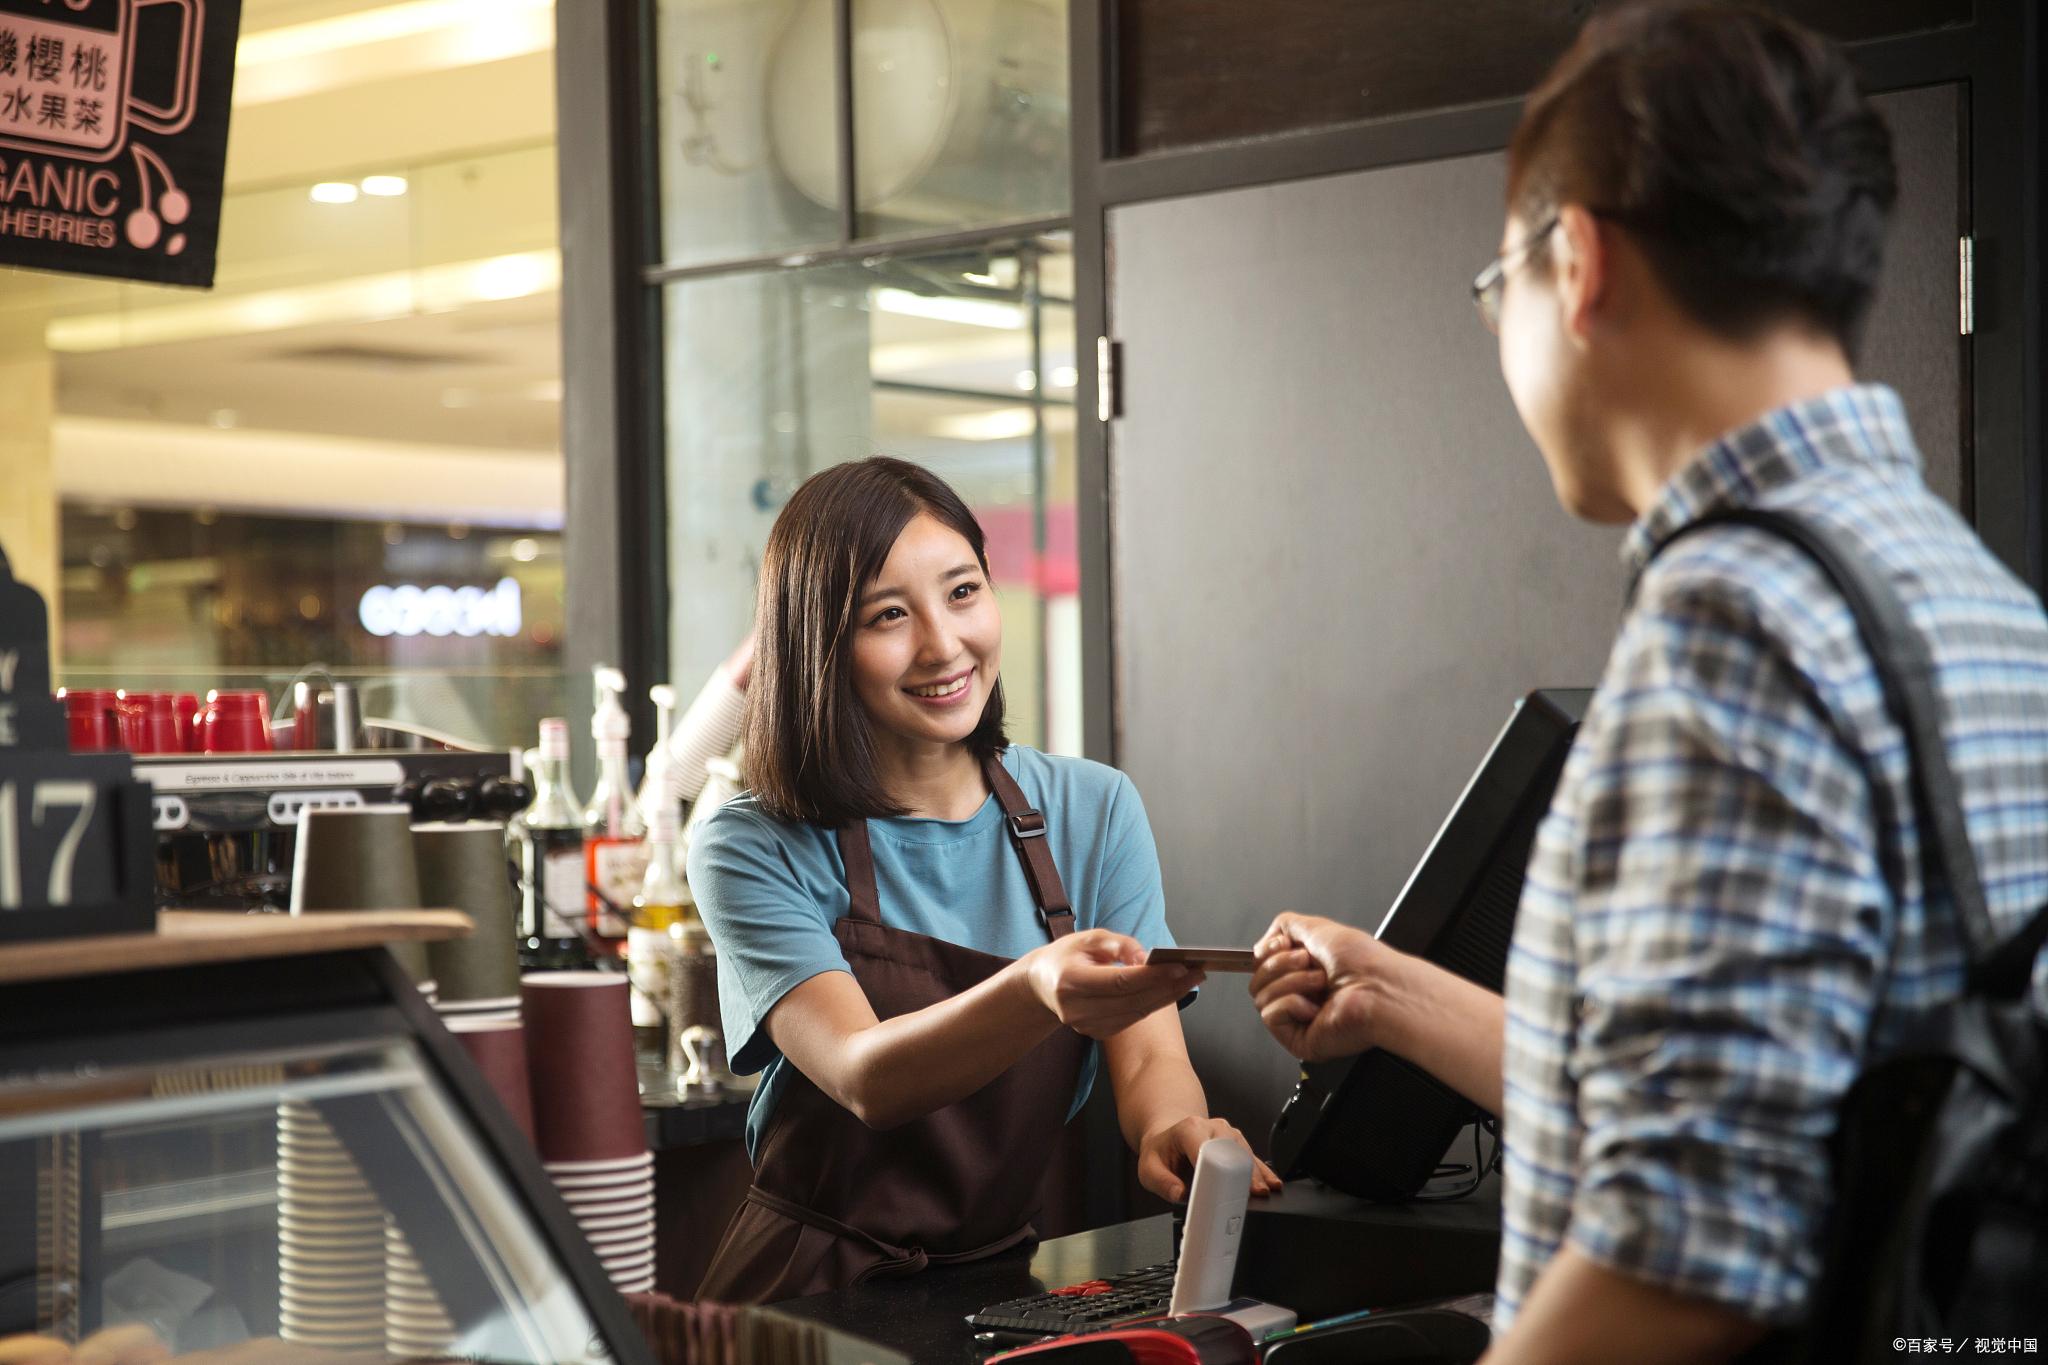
x,y
772,934
1129,896
1730,916
706,731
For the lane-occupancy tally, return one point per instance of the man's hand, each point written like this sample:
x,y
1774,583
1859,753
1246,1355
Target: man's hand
x,y
1166,1157
1316,984
1095,982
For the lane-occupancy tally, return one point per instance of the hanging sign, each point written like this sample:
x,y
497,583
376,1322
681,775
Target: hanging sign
x,y
113,128
77,855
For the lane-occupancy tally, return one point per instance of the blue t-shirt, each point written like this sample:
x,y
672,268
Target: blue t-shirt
x,y
770,891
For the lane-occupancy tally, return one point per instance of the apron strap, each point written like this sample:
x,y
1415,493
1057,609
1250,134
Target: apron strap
x,y
859,858
1027,836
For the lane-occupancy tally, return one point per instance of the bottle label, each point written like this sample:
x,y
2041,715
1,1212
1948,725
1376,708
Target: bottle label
x,y
616,867
562,893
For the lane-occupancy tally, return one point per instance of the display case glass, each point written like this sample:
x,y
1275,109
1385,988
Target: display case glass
x,y
307,1188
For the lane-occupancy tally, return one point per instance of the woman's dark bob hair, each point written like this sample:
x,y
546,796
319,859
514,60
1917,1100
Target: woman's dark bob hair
x,y
810,745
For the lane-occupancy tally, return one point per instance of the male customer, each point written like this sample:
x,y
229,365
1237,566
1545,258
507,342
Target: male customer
x,y
1726,898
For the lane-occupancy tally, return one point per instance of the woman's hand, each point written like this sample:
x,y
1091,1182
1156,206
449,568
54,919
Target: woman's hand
x,y
1095,982
1166,1157
1316,984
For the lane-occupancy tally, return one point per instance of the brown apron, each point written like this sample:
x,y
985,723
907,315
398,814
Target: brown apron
x,y
833,1201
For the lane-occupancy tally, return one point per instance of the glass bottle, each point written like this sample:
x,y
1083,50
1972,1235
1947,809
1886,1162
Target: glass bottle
x,y
614,850
664,900
551,910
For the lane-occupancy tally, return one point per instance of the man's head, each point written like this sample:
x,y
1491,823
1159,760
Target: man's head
x,y
1697,202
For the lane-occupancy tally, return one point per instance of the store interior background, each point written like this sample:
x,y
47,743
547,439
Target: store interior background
x,y
205,483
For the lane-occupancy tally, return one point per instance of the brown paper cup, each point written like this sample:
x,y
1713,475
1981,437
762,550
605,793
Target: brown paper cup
x,y
579,1057
359,858
499,1051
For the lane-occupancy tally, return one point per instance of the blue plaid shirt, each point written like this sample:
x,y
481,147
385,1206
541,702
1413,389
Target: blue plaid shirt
x,y
1728,884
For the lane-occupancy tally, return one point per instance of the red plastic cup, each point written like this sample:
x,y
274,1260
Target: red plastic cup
x,y
233,722
148,723
185,713
89,715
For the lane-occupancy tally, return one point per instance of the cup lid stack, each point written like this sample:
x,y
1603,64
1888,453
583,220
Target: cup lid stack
x,y
330,1234
587,1119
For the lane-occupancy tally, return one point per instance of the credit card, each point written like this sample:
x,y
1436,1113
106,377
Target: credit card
x,y
1208,959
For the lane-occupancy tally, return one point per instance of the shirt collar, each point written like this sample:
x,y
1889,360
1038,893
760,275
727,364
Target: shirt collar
x,y
1856,424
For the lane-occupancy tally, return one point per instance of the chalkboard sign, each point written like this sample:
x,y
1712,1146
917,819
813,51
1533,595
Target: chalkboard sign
x,y
77,854
113,132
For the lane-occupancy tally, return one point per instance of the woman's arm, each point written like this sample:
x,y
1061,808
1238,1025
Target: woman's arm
x,y
887,1072
1161,1108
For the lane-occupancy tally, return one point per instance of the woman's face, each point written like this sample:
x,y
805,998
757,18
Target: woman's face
x,y
927,638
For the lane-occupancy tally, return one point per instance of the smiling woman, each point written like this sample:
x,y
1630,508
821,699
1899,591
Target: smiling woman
x,y
928,938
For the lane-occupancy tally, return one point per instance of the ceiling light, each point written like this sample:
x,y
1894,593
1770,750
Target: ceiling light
x,y
1027,380
973,312
334,192
1065,377
379,41
384,186
526,549
996,424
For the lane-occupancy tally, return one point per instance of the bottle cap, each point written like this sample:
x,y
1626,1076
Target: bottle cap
x,y
609,721
554,737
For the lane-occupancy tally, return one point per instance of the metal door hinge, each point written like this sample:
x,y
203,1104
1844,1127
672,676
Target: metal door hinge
x,y
1966,285
1107,353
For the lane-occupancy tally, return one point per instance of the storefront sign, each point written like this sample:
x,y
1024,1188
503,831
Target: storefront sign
x,y
113,128
407,610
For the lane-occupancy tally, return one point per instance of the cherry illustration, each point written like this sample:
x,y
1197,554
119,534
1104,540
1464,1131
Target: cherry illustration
x,y
144,228
175,206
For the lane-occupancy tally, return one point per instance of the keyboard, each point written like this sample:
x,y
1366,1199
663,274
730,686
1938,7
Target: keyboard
x,y
1084,1307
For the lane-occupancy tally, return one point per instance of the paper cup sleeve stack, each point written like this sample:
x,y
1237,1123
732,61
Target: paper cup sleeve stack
x,y
586,1114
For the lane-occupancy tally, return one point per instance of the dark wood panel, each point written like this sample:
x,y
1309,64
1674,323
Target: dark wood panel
x,y
1196,72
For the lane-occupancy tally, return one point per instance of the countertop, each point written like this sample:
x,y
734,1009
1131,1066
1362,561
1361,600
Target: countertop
x,y
1318,1251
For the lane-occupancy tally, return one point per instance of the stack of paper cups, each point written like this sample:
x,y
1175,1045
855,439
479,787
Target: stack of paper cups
x,y
586,1110
416,1325
463,867
330,1234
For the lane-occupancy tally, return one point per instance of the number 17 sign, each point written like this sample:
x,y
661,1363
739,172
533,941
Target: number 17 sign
x,y
77,854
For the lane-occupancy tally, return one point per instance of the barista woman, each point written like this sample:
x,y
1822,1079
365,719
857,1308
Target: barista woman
x,y
926,936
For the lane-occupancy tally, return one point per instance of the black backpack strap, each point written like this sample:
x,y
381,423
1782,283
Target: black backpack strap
x,y
1906,672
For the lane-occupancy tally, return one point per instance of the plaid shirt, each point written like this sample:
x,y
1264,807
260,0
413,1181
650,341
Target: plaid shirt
x,y
1732,855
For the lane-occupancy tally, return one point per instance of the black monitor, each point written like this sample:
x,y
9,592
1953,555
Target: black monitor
x,y
1374,1125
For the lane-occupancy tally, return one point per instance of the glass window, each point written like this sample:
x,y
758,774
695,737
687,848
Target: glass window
x,y
960,119
960,113
963,362
330,1198
747,109
186,600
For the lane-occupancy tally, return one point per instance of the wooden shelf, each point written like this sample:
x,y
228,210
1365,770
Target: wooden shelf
x,y
188,937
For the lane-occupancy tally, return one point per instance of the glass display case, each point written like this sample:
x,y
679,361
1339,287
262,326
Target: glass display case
x,y
282,1159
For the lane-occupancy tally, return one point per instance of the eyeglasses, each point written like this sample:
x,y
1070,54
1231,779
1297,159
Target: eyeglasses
x,y
1489,284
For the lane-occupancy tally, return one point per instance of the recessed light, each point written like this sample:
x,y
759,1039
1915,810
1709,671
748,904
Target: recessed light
x,y
1027,380
334,192
1065,377
384,186
526,549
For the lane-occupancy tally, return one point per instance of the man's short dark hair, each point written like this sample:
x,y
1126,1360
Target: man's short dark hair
x,y
810,745
1736,149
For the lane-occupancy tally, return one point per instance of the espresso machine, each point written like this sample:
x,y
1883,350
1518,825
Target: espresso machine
x,y
225,823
